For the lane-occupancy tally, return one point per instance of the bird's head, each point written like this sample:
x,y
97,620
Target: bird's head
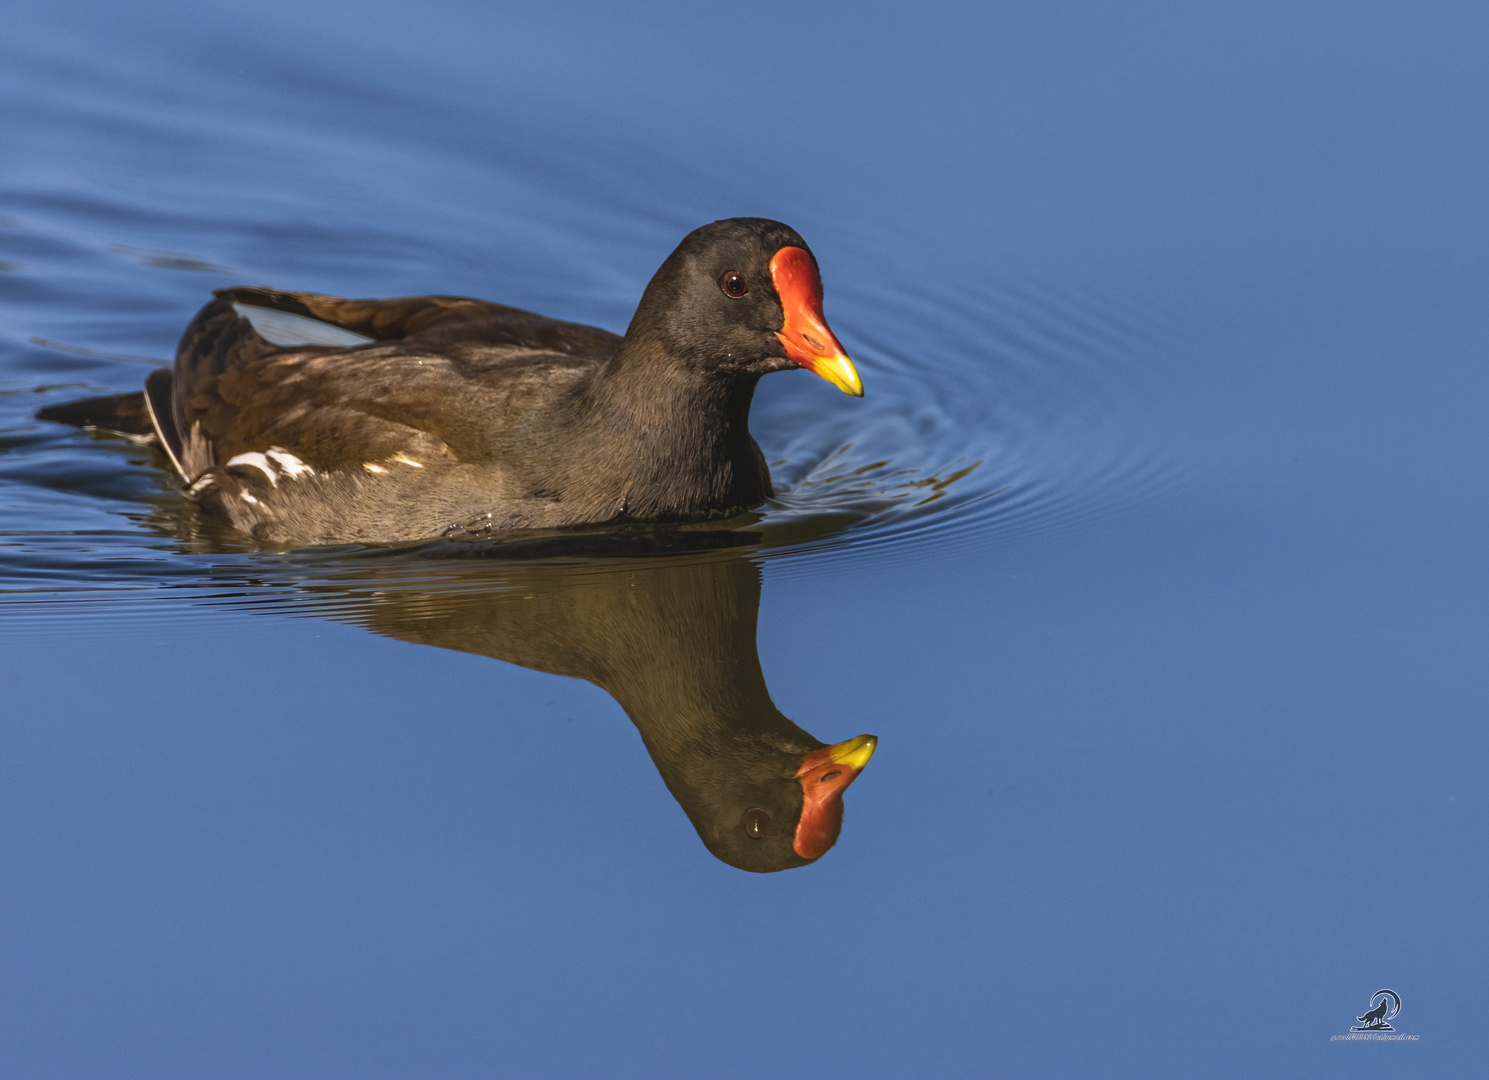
x,y
742,298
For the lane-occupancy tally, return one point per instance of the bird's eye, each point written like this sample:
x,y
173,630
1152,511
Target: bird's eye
x,y
756,823
734,284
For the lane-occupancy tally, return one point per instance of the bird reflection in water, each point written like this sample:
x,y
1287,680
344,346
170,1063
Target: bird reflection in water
x,y
672,639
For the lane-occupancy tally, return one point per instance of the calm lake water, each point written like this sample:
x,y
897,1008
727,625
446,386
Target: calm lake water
x,y
1155,555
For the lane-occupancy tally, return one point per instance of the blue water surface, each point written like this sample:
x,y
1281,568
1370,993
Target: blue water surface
x,y
1155,554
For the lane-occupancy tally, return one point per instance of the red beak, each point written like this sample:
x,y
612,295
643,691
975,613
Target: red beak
x,y
805,335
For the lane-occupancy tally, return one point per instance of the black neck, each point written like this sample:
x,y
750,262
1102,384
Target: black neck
x,y
681,435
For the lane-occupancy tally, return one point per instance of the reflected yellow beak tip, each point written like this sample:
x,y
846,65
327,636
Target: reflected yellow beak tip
x,y
854,752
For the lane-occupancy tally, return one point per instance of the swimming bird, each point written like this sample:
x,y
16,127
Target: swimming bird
x,y
306,419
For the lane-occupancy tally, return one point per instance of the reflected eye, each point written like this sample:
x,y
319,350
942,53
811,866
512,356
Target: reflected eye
x,y
734,284
756,823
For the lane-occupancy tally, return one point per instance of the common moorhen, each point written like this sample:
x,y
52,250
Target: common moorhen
x,y
308,419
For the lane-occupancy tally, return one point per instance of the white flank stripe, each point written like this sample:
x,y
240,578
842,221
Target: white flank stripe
x,y
255,460
293,467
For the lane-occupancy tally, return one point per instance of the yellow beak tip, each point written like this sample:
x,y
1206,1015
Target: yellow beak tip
x,y
839,371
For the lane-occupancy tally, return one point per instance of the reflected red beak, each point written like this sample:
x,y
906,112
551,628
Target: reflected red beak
x,y
824,774
805,335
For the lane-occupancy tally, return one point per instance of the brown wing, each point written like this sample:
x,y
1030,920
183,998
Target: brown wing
x,y
440,374
434,319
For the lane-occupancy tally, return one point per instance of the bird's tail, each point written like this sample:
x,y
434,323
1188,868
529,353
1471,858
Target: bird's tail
x,y
124,413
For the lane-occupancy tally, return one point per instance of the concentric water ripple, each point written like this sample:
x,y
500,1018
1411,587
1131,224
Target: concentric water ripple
x,y
990,417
